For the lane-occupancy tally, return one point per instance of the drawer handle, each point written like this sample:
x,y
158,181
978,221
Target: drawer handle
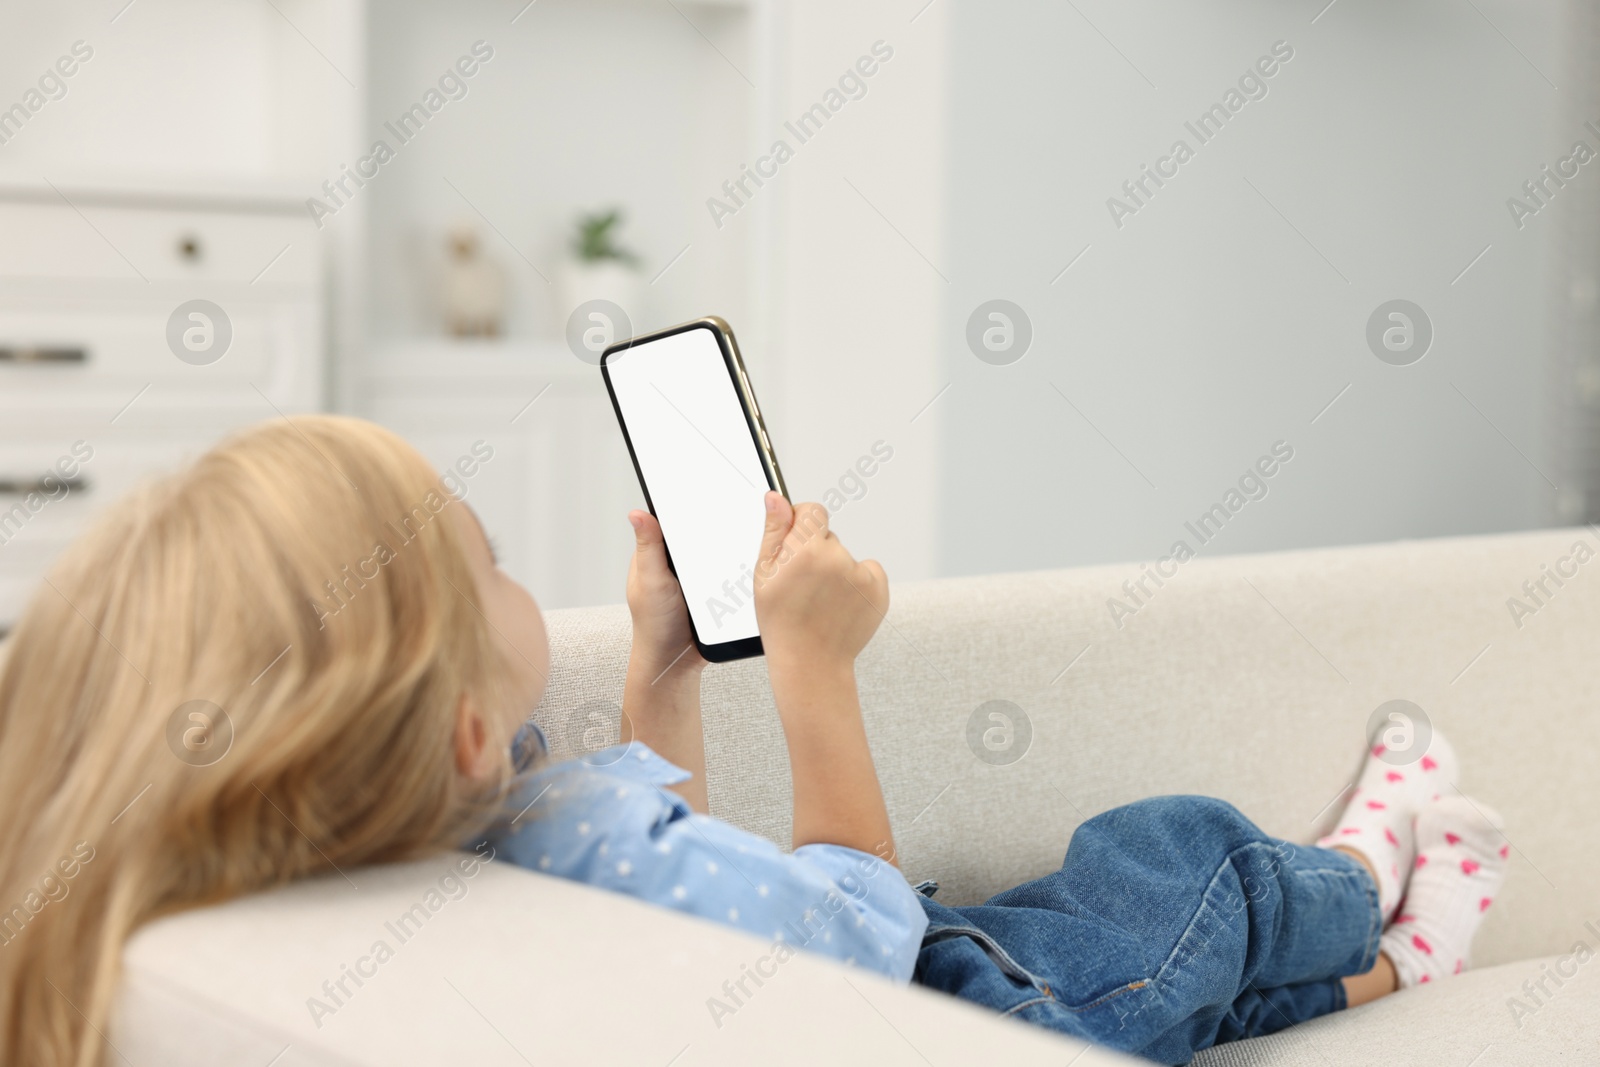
x,y
48,485
42,354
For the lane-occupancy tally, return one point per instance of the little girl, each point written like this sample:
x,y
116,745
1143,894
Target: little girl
x,y
390,729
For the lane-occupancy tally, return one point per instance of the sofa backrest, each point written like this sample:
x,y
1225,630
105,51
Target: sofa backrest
x,y
1250,678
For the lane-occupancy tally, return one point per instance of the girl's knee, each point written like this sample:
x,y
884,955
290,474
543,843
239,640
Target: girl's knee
x,y
1179,822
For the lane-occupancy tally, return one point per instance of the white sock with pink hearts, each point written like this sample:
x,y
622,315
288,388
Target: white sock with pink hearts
x,y
1461,861
1377,820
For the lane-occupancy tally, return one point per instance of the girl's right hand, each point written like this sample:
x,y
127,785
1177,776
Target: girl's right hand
x,y
817,608
816,605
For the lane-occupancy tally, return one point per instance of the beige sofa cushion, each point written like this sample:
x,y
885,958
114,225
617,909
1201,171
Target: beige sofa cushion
x,y
516,968
1468,1022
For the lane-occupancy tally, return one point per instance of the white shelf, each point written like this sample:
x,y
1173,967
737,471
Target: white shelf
x,y
478,367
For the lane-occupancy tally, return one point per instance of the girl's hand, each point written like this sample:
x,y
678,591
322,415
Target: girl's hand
x,y
661,635
817,607
661,695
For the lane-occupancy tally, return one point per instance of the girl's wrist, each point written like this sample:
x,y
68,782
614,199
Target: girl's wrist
x,y
815,687
800,665
661,708
659,664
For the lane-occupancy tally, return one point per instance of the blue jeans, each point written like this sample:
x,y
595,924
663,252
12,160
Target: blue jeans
x,y
1173,924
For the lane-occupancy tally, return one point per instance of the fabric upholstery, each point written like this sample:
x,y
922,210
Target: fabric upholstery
x,y
520,968
1466,1022
1248,678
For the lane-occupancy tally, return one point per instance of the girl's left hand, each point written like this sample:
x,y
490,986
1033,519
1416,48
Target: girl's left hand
x,y
661,635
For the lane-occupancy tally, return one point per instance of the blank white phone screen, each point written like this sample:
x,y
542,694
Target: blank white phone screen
x,y
701,468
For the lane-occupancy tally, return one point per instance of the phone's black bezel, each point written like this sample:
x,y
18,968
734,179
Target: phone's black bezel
x,y
746,647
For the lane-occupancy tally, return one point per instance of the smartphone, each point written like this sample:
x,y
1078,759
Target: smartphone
x,y
701,451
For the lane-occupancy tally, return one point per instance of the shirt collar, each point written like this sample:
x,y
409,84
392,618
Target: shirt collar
x,y
529,744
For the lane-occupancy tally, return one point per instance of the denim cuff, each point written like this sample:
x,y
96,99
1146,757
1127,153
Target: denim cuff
x,y
1369,952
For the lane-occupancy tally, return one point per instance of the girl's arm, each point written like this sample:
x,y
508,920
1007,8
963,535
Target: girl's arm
x,y
817,608
837,799
661,697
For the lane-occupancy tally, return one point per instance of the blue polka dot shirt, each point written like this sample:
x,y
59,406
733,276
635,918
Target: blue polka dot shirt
x,y
607,820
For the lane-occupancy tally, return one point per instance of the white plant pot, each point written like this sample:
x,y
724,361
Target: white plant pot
x,y
579,282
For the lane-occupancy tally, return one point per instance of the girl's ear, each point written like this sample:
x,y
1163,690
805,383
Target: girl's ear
x,y
473,759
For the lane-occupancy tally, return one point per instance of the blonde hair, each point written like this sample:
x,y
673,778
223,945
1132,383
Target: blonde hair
x,y
247,582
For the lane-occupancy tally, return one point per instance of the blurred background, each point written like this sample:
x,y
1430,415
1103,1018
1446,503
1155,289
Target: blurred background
x,y
979,246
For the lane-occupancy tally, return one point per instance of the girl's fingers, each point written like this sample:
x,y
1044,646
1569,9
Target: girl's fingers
x,y
874,584
646,530
810,520
780,516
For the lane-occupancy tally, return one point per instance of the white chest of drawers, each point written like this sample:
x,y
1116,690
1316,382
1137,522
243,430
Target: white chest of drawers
x,y
89,383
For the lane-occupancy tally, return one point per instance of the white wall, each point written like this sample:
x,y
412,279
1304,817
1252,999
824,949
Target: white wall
x,y
857,307
1206,328
184,91
583,106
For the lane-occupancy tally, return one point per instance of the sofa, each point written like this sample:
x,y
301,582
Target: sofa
x,y
1250,678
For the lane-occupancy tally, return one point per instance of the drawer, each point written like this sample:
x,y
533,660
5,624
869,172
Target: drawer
x,y
106,464
53,485
138,244
63,351
22,567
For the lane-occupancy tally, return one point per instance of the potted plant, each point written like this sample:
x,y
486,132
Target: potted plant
x,y
599,268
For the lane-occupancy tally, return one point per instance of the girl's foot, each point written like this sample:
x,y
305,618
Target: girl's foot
x,y
1459,867
1377,821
